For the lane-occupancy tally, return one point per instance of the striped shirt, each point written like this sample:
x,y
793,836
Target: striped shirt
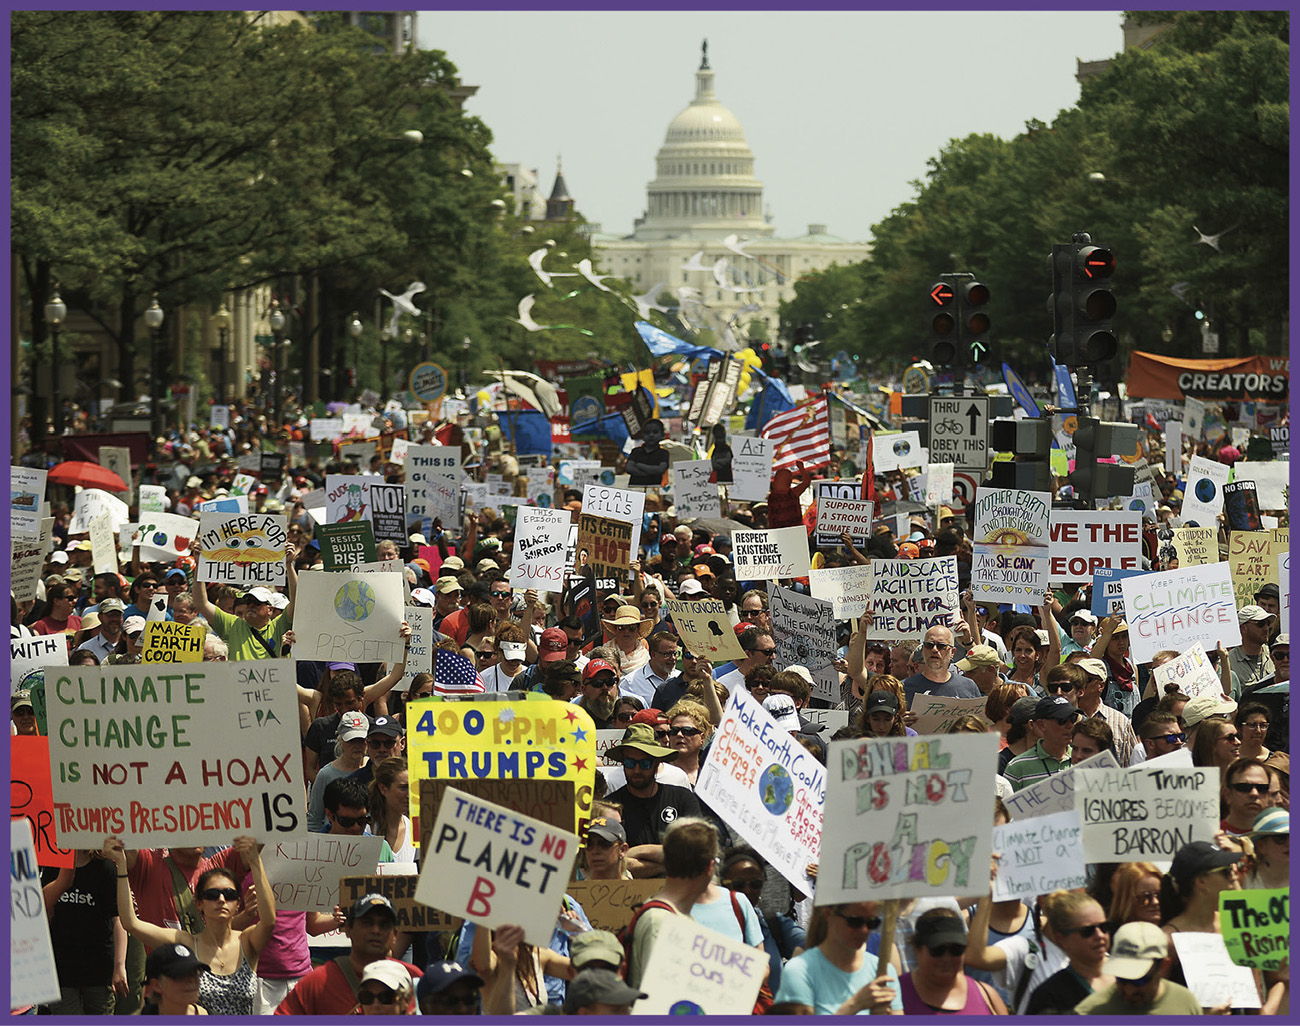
x,y
1122,727
1035,765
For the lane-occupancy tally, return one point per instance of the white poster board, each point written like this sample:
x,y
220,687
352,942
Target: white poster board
x,y
1039,855
1011,545
895,451
353,617
103,545
26,493
846,588
768,555
1272,481
1177,608
1054,793
693,970
909,596
1192,672
705,628
804,630
1203,496
1083,540
845,516
751,467
1212,976
33,977
245,550
152,499
693,495
1145,813
163,537
938,484
541,546
433,478
30,653
304,869
27,558
617,504
90,503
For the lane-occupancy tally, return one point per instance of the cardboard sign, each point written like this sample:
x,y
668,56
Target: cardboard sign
x,y
846,588
604,544
29,653
618,504
349,616
911,817
31,797
33,977
304,870
938,484
419,655
343,545
609,903
845,516
166,641
1272,480
1195,546
192,755
1011,545
412,916
1241,506
246,484
540,557
1284,586
772,554
766,787
1177,608
693,495
325,429
27,558
162,537
433,477
804,630
751,467
895,451
1039,855
1192,672
347,498
832,491
117,458
1193,418
1256,926
909,596
551,801
1082,541
1203,496
494,866
26,493
103,545
246,550
693,970
1145,813
705,628
92,502
1107,596
227,504
388,513
1211,975
524,740
936,713
1055,793
1252,561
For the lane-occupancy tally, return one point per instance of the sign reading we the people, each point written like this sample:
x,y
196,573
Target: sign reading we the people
x,y
163,756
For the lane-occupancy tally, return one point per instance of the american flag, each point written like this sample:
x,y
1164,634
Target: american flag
x,y
802,435
453,674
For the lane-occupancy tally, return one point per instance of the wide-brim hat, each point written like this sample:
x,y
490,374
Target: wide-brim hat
x,y
625,616
639,739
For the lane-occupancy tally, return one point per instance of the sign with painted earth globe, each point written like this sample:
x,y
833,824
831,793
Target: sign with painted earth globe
x,y
354,601
776,789
428,382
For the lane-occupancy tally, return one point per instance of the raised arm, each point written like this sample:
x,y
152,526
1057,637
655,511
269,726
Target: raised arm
x,y
290,554
148,933
1108,625
385,684
259,934
1053,657
199,590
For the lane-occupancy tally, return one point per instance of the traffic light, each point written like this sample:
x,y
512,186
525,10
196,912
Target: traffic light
x,y
1094,440
975,318
941,324
1061,307
1094,303
1031,442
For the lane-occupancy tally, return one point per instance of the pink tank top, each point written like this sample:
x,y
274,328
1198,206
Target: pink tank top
x,y
976,1002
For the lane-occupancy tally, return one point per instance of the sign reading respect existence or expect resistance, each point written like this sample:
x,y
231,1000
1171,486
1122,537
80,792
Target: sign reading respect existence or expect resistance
x,y
769,555
175,755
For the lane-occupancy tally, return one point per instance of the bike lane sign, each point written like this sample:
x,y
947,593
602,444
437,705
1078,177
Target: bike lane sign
x,y
959,431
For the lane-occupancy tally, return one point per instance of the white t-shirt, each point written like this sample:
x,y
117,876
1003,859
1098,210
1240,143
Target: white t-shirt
x,y
665,774
495,680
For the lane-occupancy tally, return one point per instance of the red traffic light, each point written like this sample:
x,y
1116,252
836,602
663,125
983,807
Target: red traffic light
x,y
942,324
941,293
977,293
1095,262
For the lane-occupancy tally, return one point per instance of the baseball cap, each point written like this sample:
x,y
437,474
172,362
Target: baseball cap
x,y
133,625
513,650
1136,948
596,666
654,717
368,903
690,586
486,564
21,700
1093,667
73,575
1247,614
881,701
438,976
595,945
1283,640
342,666
453,563
172,960
353,726
1086,615
417,539
1269,591
1197,857
260,595
446,585
939,930
553,645
1055,707
781,708
1023,709
608,830
598,987
111,605
385,725
978,656
423,596
391,973
1206,705
174,573
58,556
703,570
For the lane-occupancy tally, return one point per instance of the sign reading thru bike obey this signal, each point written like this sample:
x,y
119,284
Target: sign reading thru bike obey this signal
x,y
959,431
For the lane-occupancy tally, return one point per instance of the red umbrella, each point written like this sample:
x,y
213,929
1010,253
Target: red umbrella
x,y
88,475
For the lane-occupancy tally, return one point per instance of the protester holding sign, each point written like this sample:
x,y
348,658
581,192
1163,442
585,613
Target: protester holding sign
x,y
258,635
836,975
937,982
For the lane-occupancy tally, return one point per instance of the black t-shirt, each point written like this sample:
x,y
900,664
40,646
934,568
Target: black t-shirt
x,y
320,737
669,693
646,819
81,928
1058,994
1004,757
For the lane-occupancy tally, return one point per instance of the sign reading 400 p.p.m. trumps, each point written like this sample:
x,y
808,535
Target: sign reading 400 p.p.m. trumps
x,y
175,754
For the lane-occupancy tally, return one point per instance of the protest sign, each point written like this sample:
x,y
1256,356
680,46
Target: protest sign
x,y
830,491
188,756
605,740
1192,672
804,631
766,787
246,484
846,588
827,721
1256,926
166,641
343,545
27,558
103,545
751,467
541,549
347,498
397,455
245,550
1176,608
304,869
31,796
1082,541
92,502
693,970
936,713
494,866
909,596
226,504
1011,545
767,555
938,484
1195,546
433,477
117,458
1211,975
349,616
397,881
911,817
1039,855
705,628
33,977
325,429
1055,793
609,903
26,493
524,740
219,417
693,495
551,801
578,472
29,653
894,451
618,504
1252,561
162,537
419,654
1272,480
388,513
1145,813
541,485
1241,506
836,516
1107,598
604,544
1203,496
1284,586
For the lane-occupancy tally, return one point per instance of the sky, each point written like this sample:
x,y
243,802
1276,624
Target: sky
x,y
842,109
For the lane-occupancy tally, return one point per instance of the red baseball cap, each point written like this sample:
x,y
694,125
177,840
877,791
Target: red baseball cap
x,y
650,716
553,645
741,627
596,666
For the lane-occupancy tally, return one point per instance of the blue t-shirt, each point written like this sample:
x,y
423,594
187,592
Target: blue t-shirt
x,y
810,979
721,916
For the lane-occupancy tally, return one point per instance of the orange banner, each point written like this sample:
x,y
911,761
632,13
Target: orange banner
x,y
31,796
1166,377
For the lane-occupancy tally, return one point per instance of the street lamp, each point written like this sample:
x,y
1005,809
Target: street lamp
x,y
354,329
384,336
221,321
55,311
464,366
276,320
153,318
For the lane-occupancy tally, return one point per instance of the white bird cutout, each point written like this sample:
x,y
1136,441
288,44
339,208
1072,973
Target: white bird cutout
x,y
525,318
719,277
402,304
732,242
695,263
585,269
535,259
645,302
1212,240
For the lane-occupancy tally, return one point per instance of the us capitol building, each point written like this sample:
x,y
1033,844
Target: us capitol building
x,y
703,192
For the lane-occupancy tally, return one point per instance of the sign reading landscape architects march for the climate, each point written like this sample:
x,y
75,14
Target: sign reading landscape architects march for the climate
x,y
345,545
304,869
767,788
1039,855
1011,545
183,755
846,588
1145,813
911,817
351,617
1082,541
705,628
541,549
1174,609
494,866
388,513
246,550
909,596
693,495
804,631
767,555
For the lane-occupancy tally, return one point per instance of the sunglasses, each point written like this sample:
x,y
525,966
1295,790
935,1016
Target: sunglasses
x,y
500,594
624,717
862,922
949,950
1169,739
644,764
1089,930
425,694
369,997
661,735
770,653
603,683
485,654
348,822
934,645
743,885
1151,975
1245,788
1284,654
684,731
382,742
749,614
213,893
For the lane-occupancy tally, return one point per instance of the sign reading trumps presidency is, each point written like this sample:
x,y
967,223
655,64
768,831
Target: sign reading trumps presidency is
x,y
244,549
911,817
352,617
766,787
185,755
1174,609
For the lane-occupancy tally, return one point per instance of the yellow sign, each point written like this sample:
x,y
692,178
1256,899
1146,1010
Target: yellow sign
x,y
534,739
1252,559
1195,546
166,641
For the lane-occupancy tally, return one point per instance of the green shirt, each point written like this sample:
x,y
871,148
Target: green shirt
x,y
241,639
1172,999
1034,765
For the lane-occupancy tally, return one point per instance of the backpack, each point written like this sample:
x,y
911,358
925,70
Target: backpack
x,y
763,1003
626,933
